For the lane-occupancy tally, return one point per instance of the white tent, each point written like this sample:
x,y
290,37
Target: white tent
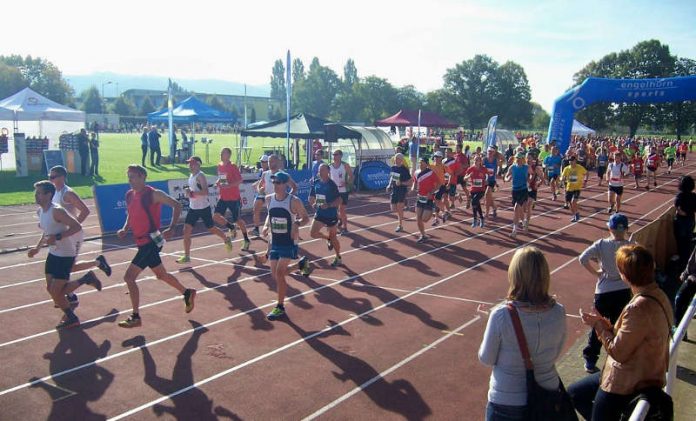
x,y
35,115
360,143
581,129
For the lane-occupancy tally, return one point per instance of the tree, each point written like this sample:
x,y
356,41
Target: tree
x,y
179,90
298,71
11,80
252,115
379,98
215,102
278,80
350,74
471,92
42,76
682,115
540,118
512,95
316,93
409,98
146,107
91,101
123,107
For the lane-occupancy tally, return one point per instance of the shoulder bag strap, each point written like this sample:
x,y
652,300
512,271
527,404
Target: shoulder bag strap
x,y
521,340
669,326
145,201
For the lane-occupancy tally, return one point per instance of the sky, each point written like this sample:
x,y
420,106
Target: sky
x,y
407,42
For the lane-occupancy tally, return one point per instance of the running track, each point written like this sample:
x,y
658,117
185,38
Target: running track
x,y
392,334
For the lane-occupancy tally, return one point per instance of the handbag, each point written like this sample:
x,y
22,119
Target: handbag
x,y
542,404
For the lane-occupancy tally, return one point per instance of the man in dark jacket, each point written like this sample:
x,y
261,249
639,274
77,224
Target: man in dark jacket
x,y
153,139
83,149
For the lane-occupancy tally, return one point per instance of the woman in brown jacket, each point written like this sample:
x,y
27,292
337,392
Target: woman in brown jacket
x,y
637,345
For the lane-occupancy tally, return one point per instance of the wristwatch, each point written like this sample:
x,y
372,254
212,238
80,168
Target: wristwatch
x,y
59,236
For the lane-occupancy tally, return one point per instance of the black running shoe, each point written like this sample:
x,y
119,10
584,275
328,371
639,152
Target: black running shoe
x,y
103,265
189,299
91,279
68,323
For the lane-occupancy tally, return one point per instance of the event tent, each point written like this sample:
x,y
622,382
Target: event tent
x,y
581,129
191,110
406,118
359,143
302,126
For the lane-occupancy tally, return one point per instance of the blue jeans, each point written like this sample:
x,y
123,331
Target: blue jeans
x,y
496,412
595,404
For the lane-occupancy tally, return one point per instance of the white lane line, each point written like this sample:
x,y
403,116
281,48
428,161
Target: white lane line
x,y
390,370
33,234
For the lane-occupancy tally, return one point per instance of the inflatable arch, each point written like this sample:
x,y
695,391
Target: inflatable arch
x,y
636,91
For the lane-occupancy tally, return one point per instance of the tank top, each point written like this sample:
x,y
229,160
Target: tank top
x,y
138,220
281,219
59,199
65,247
267,182
338,175
519,176
198,201
616,172
651,162
491,167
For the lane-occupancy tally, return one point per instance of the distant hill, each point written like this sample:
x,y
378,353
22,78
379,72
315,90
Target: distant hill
x,y
125,82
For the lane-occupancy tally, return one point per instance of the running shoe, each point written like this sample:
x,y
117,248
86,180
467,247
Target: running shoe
x,y
245,245
91,279
513,234
436,221
228,244
609,209
131,321
336,262
577,217
495,213
183,259
591,368
277,312
525,226
421,239
474,223
68,323
73,300
103,265
555,196
566,206
344,231
189,299
255,232
329,245
303,265
232,232
399,228
482,223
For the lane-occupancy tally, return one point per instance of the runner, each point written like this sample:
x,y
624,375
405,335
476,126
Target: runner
x,y
228,182
637,169
670,155
399,183
477,175
683,148
581,154
66,198
652,163
260,197
536,178
439,169
324,198
60,232
552,166
286,214
490,162
602,163
427,183
573,176
615,174
464,160
342,175
144,205
518,173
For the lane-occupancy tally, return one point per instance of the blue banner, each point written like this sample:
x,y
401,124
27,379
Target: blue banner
x,y
631,91
303,178
490,131
110,200
374,175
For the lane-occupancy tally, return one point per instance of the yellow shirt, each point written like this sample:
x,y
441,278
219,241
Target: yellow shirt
x,y
574,177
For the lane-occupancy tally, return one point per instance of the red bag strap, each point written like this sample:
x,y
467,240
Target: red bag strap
x,y
519,333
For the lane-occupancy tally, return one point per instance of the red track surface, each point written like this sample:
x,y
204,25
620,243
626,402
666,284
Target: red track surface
x,y
392,334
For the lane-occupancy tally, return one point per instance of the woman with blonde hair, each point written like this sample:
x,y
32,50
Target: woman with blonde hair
x,y
544,327
399,182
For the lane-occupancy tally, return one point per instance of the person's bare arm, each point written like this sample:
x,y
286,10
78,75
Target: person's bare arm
x,y
165,199
123,231
63,217
293,186
33,250
75,200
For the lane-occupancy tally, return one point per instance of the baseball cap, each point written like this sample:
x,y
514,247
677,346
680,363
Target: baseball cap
x,y
281,177
425,159
490,149
438,154
618,222
399,156
520,155
195,158
264,158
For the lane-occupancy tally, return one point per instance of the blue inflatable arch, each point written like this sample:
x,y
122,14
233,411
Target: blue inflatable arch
x,y
637,91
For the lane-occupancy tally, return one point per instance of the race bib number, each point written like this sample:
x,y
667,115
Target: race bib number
x,y
477,182
223,179
615,179
422,199
573,178
279,225
395,177
490,172
157,238
321,199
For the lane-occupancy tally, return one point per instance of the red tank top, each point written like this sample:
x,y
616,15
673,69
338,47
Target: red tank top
x,y
138,219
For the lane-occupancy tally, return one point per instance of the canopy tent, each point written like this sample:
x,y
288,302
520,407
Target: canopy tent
x,y
35,115
359,143
191,110
405,118
581,129
302,126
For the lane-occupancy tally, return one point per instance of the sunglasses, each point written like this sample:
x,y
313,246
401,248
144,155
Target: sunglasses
x,y
278,182
53,177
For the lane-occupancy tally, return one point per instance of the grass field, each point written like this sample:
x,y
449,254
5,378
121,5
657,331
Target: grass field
x,y
117,151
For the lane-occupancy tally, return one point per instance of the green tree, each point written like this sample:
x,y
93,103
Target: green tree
x,y
42,76
408,98
471,92
379,98
682,115
11,80
540,118
91,101
122,107
278,80
215,102
316,93
298,70
350,74
146,107
252,115
512,95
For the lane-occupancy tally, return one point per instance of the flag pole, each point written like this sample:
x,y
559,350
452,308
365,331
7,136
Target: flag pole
x,y
288,95
170,117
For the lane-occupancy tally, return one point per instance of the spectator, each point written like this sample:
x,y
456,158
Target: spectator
x,y
685,204
686,291
153,140
611,293
544,325
94,154
83,149
637,345
315,164
144,144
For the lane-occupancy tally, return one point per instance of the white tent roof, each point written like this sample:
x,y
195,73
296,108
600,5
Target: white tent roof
x,y
27,105
581,129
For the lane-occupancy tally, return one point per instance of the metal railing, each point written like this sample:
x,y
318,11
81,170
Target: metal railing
x,y
643,407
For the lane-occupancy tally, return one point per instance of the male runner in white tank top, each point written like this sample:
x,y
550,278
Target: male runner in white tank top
x,y
342,175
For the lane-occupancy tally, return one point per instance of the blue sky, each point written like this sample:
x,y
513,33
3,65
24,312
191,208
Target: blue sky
x,y
406,42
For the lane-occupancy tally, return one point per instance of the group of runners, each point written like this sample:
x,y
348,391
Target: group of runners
x,y
452,176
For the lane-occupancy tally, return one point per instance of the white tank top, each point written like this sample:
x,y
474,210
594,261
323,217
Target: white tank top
x,y
338,175
616,172
267,182
66,247
59,199
198,201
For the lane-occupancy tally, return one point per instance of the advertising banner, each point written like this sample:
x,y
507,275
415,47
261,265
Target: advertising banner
x,y
110,200
374,175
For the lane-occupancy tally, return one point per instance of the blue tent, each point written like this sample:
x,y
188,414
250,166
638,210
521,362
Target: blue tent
x,y
191,110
